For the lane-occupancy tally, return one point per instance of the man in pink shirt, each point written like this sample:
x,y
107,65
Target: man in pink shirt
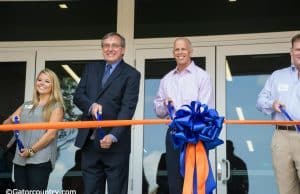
x,y
182,85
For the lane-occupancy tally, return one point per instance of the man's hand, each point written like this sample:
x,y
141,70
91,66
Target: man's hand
x,y
96,108
106,142
167,101
276,105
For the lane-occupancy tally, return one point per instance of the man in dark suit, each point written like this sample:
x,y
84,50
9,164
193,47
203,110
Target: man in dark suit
x,y
111,89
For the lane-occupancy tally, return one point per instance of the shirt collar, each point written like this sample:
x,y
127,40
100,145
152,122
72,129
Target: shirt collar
x,y
188,69
113,65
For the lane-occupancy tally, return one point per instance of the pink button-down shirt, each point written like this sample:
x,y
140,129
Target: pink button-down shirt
x,y
191,84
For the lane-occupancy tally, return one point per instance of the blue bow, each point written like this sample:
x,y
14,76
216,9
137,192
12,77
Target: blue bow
x,y
193,123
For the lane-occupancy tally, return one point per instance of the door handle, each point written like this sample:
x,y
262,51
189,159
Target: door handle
x,y
219,171
228,173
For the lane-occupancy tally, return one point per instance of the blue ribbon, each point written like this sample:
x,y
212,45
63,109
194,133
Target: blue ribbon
x,y
288,116
193,123
17,134
100,131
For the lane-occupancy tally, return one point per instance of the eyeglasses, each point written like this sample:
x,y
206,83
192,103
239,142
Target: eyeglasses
x,y
113,46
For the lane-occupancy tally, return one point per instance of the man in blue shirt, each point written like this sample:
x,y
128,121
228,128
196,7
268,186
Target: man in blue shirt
x,y
282,89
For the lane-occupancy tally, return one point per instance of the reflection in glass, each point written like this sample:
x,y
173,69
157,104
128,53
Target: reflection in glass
x,y
154,165
12,84
238,182
251,143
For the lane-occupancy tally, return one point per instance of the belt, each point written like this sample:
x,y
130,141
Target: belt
x,y
285,127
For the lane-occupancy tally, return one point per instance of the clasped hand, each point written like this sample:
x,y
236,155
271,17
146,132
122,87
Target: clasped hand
x,y
106,142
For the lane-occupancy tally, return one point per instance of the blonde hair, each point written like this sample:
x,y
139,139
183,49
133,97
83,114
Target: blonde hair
x,y
55,95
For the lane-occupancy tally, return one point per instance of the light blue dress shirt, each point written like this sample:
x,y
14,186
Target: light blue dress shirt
x,y
113,66
283,85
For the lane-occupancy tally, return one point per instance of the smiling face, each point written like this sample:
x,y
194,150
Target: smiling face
x,y
112,49
295,53
43,84
182,52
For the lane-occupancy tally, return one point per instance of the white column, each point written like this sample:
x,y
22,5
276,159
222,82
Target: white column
x,y
125,26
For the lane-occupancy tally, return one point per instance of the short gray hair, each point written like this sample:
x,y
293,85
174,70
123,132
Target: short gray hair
x,y
110,34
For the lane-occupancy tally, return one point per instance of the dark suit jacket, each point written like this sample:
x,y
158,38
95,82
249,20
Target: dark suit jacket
x,y
118,98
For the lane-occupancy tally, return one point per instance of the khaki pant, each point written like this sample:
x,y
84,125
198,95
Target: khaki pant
x,y
286,160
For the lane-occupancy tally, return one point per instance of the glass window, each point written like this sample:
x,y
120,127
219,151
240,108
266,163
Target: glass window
x,y
248,146
67,172
154,166
12,84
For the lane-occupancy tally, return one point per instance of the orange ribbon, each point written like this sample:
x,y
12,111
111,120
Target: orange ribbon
x,y
115,123
195,157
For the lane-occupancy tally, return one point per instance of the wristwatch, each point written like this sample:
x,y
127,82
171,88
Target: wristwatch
x,y
31,152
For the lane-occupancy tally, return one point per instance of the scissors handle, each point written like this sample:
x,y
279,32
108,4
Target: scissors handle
x,y
170,109
17,133
288,116
100,131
